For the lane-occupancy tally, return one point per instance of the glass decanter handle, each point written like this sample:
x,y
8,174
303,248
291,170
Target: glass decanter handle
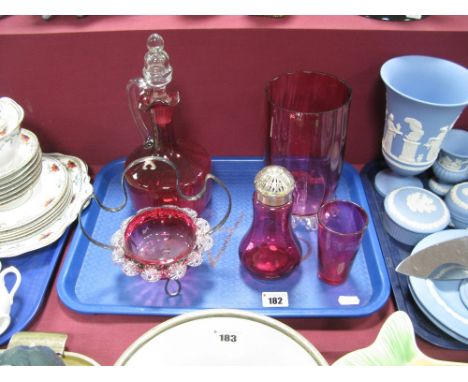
x,y
135,88
147,159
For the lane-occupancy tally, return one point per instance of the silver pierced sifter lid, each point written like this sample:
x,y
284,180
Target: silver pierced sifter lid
x,y
274,186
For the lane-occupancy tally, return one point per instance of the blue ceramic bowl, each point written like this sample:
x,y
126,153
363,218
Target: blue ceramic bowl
x,y
457,203
448,176
412,213
425,96
452,163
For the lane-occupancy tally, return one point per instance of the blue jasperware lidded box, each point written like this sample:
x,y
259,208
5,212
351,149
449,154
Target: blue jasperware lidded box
x,y
457,203
412,213
439,188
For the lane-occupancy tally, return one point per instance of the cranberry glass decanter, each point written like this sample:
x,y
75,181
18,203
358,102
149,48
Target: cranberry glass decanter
x,y
270,249
153,107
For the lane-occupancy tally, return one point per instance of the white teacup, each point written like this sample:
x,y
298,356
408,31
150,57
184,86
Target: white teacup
x,y
11,116
6,297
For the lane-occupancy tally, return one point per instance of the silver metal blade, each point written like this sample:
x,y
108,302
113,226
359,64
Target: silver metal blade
x,y
444,261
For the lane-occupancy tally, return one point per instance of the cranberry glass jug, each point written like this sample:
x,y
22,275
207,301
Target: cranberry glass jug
x,y
154,107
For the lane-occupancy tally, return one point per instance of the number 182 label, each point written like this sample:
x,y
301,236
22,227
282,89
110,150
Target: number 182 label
x,y
275,299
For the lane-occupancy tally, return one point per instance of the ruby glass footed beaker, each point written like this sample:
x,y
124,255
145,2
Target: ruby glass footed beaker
x,y
308,125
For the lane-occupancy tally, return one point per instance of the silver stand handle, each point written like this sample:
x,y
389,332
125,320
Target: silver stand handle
x,y
179,191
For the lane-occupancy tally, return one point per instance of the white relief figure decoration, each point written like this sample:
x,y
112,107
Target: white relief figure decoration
x,y
433,144
421,203
453,165
465,191
391,131
411,141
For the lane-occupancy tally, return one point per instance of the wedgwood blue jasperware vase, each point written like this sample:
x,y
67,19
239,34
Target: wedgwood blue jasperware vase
x,y
425,97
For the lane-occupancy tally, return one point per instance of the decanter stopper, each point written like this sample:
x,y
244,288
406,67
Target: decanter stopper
x,y
157,71
274,186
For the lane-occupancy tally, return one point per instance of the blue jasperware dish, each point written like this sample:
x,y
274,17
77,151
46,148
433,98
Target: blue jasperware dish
x,y
386,181
457,203
412,213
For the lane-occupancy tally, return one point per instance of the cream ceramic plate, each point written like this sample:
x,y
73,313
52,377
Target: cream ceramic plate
x,y
81,189
39,224
28,147
220,338
26,185
18,183
46,194
395,346
19,176
20,188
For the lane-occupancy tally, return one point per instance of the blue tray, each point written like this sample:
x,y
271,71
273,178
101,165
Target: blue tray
x,y
90,283
36,269
394,252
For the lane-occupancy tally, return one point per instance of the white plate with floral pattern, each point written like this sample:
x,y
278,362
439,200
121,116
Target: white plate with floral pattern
x,y
40,223
28,147
16,181
20,187
46,195
81,189
8,181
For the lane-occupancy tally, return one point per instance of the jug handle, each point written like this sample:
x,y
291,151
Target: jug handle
x,y
133,86
15,271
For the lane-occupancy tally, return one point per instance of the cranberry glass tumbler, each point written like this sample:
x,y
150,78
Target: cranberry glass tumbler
x,y
308,124
341,226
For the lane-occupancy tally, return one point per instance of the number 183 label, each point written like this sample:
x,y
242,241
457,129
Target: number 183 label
x,y
275,299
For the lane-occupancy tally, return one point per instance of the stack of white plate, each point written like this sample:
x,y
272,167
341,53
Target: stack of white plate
x,y
21,174
40,194
52,204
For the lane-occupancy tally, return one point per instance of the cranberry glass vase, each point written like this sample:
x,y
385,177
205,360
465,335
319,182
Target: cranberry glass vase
x,y
154,108
270,248
308,122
